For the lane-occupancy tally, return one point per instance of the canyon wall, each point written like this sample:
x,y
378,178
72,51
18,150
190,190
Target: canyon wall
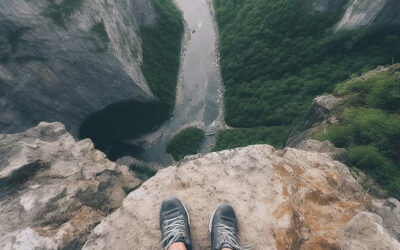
x,y
64,60
361,13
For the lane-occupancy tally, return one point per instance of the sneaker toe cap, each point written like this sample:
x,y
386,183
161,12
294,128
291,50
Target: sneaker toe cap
x,y
226,210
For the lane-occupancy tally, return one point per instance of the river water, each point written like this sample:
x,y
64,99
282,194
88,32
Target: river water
x,y
199,89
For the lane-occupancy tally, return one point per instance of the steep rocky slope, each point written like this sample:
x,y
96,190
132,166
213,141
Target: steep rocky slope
x,y
362,117
290,199
370,12
324,109
359,13
319,114
64,60
54,189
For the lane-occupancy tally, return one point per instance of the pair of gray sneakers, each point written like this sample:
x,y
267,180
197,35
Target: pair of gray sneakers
x,y
175,226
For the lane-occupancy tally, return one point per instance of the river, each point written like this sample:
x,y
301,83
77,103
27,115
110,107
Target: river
x,y
199,91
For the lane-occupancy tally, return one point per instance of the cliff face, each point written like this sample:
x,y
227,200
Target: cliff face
x,y
54,189
63,60
370,12
290,199
319,114
359,13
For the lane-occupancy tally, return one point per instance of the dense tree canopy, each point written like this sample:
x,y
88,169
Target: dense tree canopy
x,y
161,51
240,137
277,55
186,142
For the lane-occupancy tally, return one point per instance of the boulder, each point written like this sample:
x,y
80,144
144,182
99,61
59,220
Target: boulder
x,y
284,199
54,190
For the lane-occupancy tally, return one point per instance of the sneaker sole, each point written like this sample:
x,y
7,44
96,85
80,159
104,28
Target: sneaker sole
x,y
212,217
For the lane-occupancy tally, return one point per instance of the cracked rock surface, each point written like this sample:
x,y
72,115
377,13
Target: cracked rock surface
x,y
290,199
54,190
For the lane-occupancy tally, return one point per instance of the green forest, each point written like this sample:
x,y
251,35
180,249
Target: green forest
x,y
186,142
369,126
161,46
240,137
277,55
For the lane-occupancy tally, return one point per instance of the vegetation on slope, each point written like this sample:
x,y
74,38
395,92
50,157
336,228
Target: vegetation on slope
x,y
100,36
110,127
161,52
369,126
60,11
186,142
277,55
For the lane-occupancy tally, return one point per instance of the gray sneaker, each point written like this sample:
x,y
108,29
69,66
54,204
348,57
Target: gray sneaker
x,y
224,230
174,223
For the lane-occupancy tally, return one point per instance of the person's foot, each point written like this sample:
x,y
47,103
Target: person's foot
x,y
223,228
174,223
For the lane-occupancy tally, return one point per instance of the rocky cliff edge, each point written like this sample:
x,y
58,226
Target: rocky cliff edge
x,y
54,190
290,199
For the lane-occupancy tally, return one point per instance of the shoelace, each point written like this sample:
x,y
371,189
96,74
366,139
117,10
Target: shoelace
x,y
227,235
174,229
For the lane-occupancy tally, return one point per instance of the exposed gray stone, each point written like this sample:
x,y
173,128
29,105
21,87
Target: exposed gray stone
x,y
370,12
64,60
319,113
366,231
362,13
54,189
389,211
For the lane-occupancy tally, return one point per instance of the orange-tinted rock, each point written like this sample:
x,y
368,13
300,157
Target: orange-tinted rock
x,y
290,199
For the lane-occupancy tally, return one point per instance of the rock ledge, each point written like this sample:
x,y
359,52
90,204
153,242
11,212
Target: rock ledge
x,y
290,199
54,190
